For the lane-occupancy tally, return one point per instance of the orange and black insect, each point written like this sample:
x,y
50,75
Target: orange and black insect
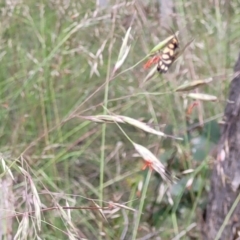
x,y
168,56
165,57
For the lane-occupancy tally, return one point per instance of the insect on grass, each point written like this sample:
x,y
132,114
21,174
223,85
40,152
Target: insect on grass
x,y
165,53
165,56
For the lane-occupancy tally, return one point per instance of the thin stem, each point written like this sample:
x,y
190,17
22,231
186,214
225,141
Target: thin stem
x,y
143,196
102,159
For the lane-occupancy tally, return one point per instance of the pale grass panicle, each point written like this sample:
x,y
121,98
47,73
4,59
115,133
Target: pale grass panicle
x,y
23,228
127,120
153,162
35,197
66,216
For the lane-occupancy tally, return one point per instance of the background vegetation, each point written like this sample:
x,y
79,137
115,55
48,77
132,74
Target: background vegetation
x,y
57,65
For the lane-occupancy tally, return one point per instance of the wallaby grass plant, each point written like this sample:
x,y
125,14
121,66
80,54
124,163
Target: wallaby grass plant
x,y
64,66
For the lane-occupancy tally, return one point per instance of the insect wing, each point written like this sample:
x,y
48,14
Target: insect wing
x,y
151,61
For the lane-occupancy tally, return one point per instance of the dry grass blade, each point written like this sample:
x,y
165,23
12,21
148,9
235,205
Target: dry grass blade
x,y
35,198
7,169
192,85
128,120
189,183
202,96
72,231
22,232
37,204
188,171
124,50
113,205
184,232
153,162
100,210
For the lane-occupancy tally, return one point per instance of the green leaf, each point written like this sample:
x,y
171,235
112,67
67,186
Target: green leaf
x,y
163,43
